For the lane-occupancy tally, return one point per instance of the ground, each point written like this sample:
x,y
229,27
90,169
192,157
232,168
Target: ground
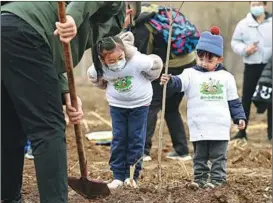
x,y
249,166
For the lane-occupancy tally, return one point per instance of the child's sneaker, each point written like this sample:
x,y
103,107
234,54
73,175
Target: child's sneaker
x,y
130,183
115,184
147,158
218,183
175,156
197,184
209,185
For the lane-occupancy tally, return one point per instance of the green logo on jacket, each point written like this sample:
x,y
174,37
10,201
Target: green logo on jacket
x,y
123,84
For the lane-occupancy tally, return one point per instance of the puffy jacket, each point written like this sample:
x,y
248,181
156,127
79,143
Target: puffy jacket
x,y
248,31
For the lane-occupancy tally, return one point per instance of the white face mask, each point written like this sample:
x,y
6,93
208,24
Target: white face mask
x,y
257,10
117,66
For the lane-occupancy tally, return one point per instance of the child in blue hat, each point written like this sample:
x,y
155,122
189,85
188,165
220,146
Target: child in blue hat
x,y
212,99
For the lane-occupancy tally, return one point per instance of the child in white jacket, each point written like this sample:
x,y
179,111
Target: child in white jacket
x,y
211,100
126,74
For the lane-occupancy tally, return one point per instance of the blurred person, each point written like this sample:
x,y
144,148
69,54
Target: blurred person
x,y
212,99
252,40
262,97
34,87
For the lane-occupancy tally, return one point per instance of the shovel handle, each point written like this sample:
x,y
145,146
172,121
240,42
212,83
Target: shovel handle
x,y
71,84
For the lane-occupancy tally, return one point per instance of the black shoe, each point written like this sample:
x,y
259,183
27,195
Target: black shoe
x,y
240,135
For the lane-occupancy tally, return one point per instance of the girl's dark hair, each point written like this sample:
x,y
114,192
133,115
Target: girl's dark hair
x,y
202,53
105,44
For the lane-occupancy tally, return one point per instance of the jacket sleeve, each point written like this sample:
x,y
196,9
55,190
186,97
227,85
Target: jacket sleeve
x,y
179,83
156,69
175,84
143,38
266,76
237,42
151,65
235,106
64,85
102,11
92,75
236,110
83,9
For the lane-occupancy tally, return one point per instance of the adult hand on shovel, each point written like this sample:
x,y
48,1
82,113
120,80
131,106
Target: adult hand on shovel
x,y
75,115
66,31
87,188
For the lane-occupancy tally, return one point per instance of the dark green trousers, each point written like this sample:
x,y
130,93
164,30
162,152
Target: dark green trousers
x,y
31,108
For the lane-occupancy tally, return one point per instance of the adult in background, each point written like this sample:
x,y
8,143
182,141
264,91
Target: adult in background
x,y
34,88
262,97
252,40
149,41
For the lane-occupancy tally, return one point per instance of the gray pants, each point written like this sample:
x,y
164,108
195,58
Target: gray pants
x,y
216,153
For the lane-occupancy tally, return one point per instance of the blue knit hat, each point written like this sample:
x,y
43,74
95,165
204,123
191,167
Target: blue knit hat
x,y
211,42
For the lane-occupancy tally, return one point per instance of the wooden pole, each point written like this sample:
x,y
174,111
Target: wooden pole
x,y
73,96
161,126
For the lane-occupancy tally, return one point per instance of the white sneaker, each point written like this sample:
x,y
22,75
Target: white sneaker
x,y
186,158
175,156
147,158
130,183
29,155
115,184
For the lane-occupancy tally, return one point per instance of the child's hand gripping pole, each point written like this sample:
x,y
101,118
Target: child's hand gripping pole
x,y
161,126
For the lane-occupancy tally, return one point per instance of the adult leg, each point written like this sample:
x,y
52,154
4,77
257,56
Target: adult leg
x,y
269,122
12,150
152,116
32,83
119,143
151,125
176,125
137,121
252,74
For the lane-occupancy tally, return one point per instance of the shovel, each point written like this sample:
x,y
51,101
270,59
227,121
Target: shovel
x,y
87,188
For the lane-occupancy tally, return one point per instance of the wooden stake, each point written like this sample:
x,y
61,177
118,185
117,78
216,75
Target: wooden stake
x,y
161,126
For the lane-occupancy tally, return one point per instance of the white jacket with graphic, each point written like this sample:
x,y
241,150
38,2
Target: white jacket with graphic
x,y
212,100
130,87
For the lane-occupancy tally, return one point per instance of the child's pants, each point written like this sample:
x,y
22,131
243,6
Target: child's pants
x,y
216,152
129,134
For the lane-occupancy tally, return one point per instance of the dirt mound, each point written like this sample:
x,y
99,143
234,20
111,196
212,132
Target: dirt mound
x,y
244,154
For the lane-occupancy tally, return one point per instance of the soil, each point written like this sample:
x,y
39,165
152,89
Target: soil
x,y
249,166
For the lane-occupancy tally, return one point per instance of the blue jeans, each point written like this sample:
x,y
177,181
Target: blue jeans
x,y
129,134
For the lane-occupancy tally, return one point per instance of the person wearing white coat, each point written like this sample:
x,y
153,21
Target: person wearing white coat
x,y
252,39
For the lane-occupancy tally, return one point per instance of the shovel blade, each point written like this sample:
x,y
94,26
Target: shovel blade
x,y
88,189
